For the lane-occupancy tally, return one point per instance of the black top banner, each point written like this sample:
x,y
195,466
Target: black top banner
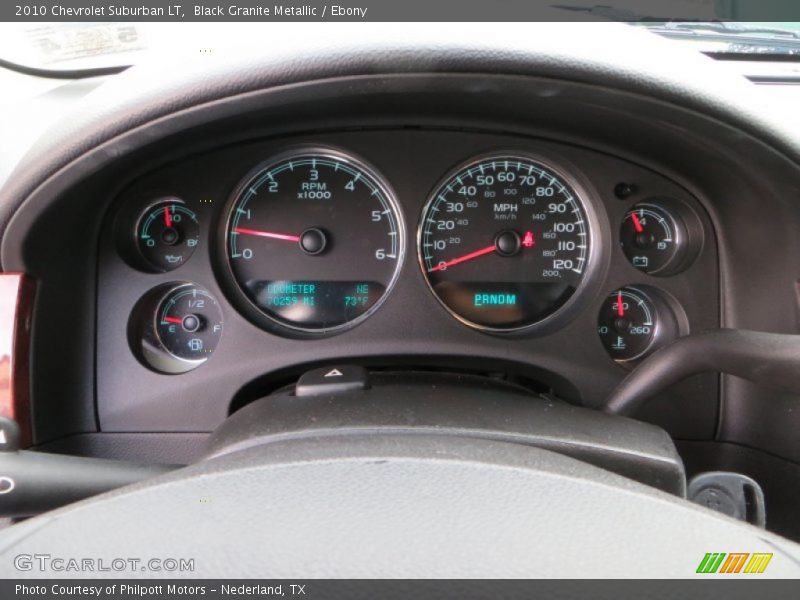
x,y
399,10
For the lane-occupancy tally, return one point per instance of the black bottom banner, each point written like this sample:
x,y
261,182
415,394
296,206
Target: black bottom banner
x,y
384,589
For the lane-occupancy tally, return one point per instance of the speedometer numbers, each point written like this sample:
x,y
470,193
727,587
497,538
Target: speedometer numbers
x,y
314,240
504,242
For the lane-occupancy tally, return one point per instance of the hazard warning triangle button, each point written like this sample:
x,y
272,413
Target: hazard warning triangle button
x,y
332,380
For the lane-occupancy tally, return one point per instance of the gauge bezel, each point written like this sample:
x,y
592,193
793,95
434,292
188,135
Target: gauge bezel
x,y
597,227
687,229
669,315
677,233
166,295
231,285
655,316
164,199
144,339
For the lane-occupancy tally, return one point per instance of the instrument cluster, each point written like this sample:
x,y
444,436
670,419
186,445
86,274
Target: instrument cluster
x,y
312,239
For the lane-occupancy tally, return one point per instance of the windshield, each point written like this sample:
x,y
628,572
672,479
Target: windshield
x,y
86,46
750,38
76,46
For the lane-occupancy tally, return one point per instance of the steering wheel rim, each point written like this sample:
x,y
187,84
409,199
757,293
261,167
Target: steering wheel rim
x,y
400,506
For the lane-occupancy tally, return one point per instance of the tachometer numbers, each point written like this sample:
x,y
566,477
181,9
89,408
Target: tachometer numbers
x,y
504,242
167,234
314,241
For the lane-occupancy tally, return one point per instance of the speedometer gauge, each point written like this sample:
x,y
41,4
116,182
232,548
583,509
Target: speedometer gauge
x,y
314,240
504,242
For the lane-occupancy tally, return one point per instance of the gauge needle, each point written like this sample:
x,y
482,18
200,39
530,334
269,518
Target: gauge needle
x,y
637,224
174,320
167,217
267,234
620,307
461,259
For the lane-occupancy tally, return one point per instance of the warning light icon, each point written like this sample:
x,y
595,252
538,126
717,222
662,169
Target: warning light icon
x,y
527,239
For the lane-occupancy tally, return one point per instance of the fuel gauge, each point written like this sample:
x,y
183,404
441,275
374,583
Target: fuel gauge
x,y
178,327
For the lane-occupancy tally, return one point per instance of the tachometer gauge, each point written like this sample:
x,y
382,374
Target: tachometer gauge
x,y
314,241
504,242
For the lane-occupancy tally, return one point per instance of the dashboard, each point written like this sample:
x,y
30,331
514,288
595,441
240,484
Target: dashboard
x,y
227,273
508,202
516,214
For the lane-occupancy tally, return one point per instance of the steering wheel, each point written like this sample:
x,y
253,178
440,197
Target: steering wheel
x,y
391,505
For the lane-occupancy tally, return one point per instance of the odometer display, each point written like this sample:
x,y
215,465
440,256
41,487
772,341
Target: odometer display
x,y
314,240
504,242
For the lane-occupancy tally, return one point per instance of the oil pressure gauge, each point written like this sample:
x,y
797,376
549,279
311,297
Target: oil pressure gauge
x,y
167,234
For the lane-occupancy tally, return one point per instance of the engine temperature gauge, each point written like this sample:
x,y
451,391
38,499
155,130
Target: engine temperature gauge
x,y
180,327
635,321
628,323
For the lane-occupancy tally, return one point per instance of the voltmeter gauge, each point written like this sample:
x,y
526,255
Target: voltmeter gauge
x,y
180,327
660,237
635,321
167,234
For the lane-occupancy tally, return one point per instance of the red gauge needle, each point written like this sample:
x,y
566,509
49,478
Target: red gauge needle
x,y
174,320
461,259
637,224
267,234
167,217
620,307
